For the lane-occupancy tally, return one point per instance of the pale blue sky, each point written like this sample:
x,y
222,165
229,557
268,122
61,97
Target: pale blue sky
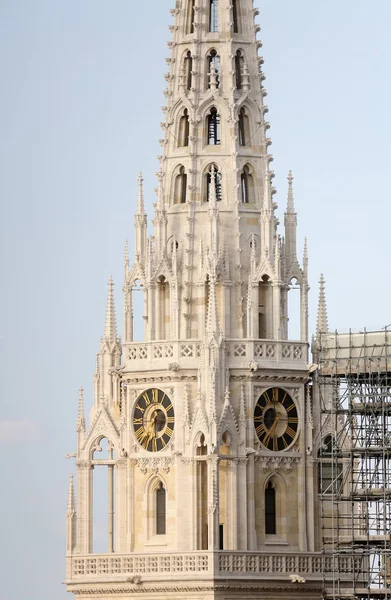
x,y
81,91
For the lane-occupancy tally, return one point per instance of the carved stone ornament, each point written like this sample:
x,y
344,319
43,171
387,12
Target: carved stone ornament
x,y
276,463
155,464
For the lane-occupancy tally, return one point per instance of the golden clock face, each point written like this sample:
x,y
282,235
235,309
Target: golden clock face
x,y
275,419
153,420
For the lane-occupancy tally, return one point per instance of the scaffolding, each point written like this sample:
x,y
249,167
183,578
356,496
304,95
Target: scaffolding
x,y
354,386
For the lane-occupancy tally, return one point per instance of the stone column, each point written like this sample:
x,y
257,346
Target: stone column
x,y
252,538
110,512
213,504
122,508
242,504
84,509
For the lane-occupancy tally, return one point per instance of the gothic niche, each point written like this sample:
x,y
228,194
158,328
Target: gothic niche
x,y
103,484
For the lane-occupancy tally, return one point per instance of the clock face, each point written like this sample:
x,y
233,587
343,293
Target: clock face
x,y
153,420
275,419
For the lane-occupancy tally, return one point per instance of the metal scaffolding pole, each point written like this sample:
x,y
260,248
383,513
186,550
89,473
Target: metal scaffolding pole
x,y
354,383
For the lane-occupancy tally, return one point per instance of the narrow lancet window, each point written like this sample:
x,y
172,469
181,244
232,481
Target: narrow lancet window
x,y
214,16
239,62
161,510
184,129
190,16
188,70
213,173
235,15
247,185
214,128
244,128
180,187
270,510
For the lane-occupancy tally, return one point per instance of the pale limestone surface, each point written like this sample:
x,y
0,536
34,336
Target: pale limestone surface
x,y
216,277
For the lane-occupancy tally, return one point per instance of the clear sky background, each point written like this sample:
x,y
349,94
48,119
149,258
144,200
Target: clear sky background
x,y
81,90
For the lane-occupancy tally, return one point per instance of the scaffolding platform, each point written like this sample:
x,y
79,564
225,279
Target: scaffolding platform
x,y
354,387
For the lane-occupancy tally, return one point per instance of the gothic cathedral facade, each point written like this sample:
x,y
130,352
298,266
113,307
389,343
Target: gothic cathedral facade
x,y
205,427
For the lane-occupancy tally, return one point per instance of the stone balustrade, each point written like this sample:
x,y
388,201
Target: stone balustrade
x,y
160,355
111,567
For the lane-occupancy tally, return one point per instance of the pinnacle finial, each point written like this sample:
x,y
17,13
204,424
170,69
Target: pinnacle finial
x,y
71,497
111,325
126,255
291,203
140,200
322,323
305,257
267,196
81,422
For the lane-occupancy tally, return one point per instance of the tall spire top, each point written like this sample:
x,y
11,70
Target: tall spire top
x,y
81,422
322,323
111,325
291,204
126,255
71,497
140,199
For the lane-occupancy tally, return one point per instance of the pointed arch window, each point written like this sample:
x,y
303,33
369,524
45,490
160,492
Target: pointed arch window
x,y
270,510
214,59
184,129
239,63
160,510
244,127
188,70
214,16
214,128
218,183
247,185
235,15
189,28
180,191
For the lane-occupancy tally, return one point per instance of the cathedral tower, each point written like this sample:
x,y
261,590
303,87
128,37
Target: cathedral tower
x,y
207,424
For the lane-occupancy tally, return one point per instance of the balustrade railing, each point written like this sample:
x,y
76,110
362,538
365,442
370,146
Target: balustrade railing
x,y
222,564
239,352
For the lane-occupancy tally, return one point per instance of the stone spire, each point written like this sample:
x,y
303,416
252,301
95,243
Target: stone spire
x,y
322,323
212,320
110,334
290,225
140,223
81,422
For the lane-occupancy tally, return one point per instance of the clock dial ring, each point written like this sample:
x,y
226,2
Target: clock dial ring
x,y
153,420
276,419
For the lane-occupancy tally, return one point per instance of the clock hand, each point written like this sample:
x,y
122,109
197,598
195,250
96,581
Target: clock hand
x,y
271,430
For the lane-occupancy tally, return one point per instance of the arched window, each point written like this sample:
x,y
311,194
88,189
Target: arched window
x,y
270,510
184,129
214,59
188,70
189,28
214,16
235,15
330,467
161,510
239,62
218,183
180,187
214,128
244,127
247,185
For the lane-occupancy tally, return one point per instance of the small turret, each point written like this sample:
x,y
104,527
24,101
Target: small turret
x,y
290,225
81,422
110,334
140,223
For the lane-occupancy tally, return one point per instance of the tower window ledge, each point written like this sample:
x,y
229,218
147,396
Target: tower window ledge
x,y
155,541
275,541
